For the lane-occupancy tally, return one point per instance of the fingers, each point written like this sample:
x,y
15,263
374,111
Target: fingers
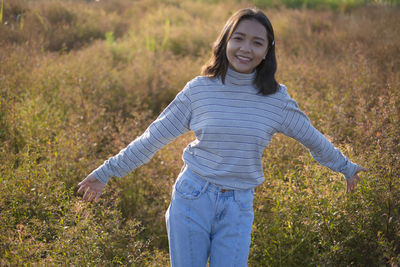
x,y
84,181
90,185
97,197
83,185
351,183
82,188
348,188
87,193
92,195
352,186
88,179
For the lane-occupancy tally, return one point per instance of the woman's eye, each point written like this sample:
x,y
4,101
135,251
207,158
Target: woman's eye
x,y
258,44
237,38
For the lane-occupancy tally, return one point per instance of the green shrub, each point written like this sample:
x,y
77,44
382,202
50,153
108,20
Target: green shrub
x,y
63,113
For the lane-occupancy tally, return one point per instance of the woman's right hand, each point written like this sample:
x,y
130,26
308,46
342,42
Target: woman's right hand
x,y
92,187
351,183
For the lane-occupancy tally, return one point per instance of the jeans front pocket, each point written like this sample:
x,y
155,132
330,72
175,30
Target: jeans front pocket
x,y
244,199
190,188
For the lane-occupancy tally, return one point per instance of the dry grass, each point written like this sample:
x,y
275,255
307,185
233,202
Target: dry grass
x,y
80,79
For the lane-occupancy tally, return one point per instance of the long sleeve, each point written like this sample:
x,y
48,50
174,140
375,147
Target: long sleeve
x,y
171,123
297,125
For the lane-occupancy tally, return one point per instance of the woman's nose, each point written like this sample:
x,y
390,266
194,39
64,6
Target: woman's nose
x,y
245,47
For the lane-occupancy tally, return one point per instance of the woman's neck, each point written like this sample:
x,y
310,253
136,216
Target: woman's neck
x,y
237,78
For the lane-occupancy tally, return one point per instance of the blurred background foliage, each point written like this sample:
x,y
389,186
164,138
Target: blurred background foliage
x,y
79,80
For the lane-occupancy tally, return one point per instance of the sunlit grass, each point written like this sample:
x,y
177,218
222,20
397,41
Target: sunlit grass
x,y
79,80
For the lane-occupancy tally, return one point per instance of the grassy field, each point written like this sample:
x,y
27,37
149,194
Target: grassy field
x,y
79,80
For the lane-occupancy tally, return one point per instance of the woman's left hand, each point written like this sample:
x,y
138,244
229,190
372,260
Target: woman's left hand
x,y
351,183
92,188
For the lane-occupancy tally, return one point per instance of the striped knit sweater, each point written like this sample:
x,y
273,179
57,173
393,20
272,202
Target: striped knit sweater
x,y
233,125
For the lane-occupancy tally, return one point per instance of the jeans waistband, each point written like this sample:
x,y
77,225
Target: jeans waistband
x,y
210,186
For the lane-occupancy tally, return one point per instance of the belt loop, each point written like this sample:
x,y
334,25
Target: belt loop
x,y
205,187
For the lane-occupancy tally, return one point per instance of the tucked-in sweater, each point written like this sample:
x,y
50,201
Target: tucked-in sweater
x,y
233,125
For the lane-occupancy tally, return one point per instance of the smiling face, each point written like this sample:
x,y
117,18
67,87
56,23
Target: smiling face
x,y
247,46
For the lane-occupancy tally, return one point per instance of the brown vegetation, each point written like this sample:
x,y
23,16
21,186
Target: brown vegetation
x,y
79,80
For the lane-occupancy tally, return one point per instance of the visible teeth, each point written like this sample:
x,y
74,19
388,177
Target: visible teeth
x,y
244,58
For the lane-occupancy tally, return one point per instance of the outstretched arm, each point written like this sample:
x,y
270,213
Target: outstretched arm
x,y
296,124
171,123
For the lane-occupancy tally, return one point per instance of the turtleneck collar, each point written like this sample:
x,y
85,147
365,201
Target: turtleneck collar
x,y
236,78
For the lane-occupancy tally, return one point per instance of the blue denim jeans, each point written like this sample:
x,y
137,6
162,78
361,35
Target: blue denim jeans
x,y
205,222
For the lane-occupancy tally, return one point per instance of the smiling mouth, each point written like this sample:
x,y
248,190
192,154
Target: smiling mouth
x,y
243,59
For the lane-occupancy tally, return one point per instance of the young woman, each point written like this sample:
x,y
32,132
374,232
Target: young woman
x,y
234,109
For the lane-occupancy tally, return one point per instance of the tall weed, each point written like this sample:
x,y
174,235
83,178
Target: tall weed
x,y
62,113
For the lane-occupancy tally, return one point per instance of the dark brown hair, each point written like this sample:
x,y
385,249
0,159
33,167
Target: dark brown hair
x,y
265,72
